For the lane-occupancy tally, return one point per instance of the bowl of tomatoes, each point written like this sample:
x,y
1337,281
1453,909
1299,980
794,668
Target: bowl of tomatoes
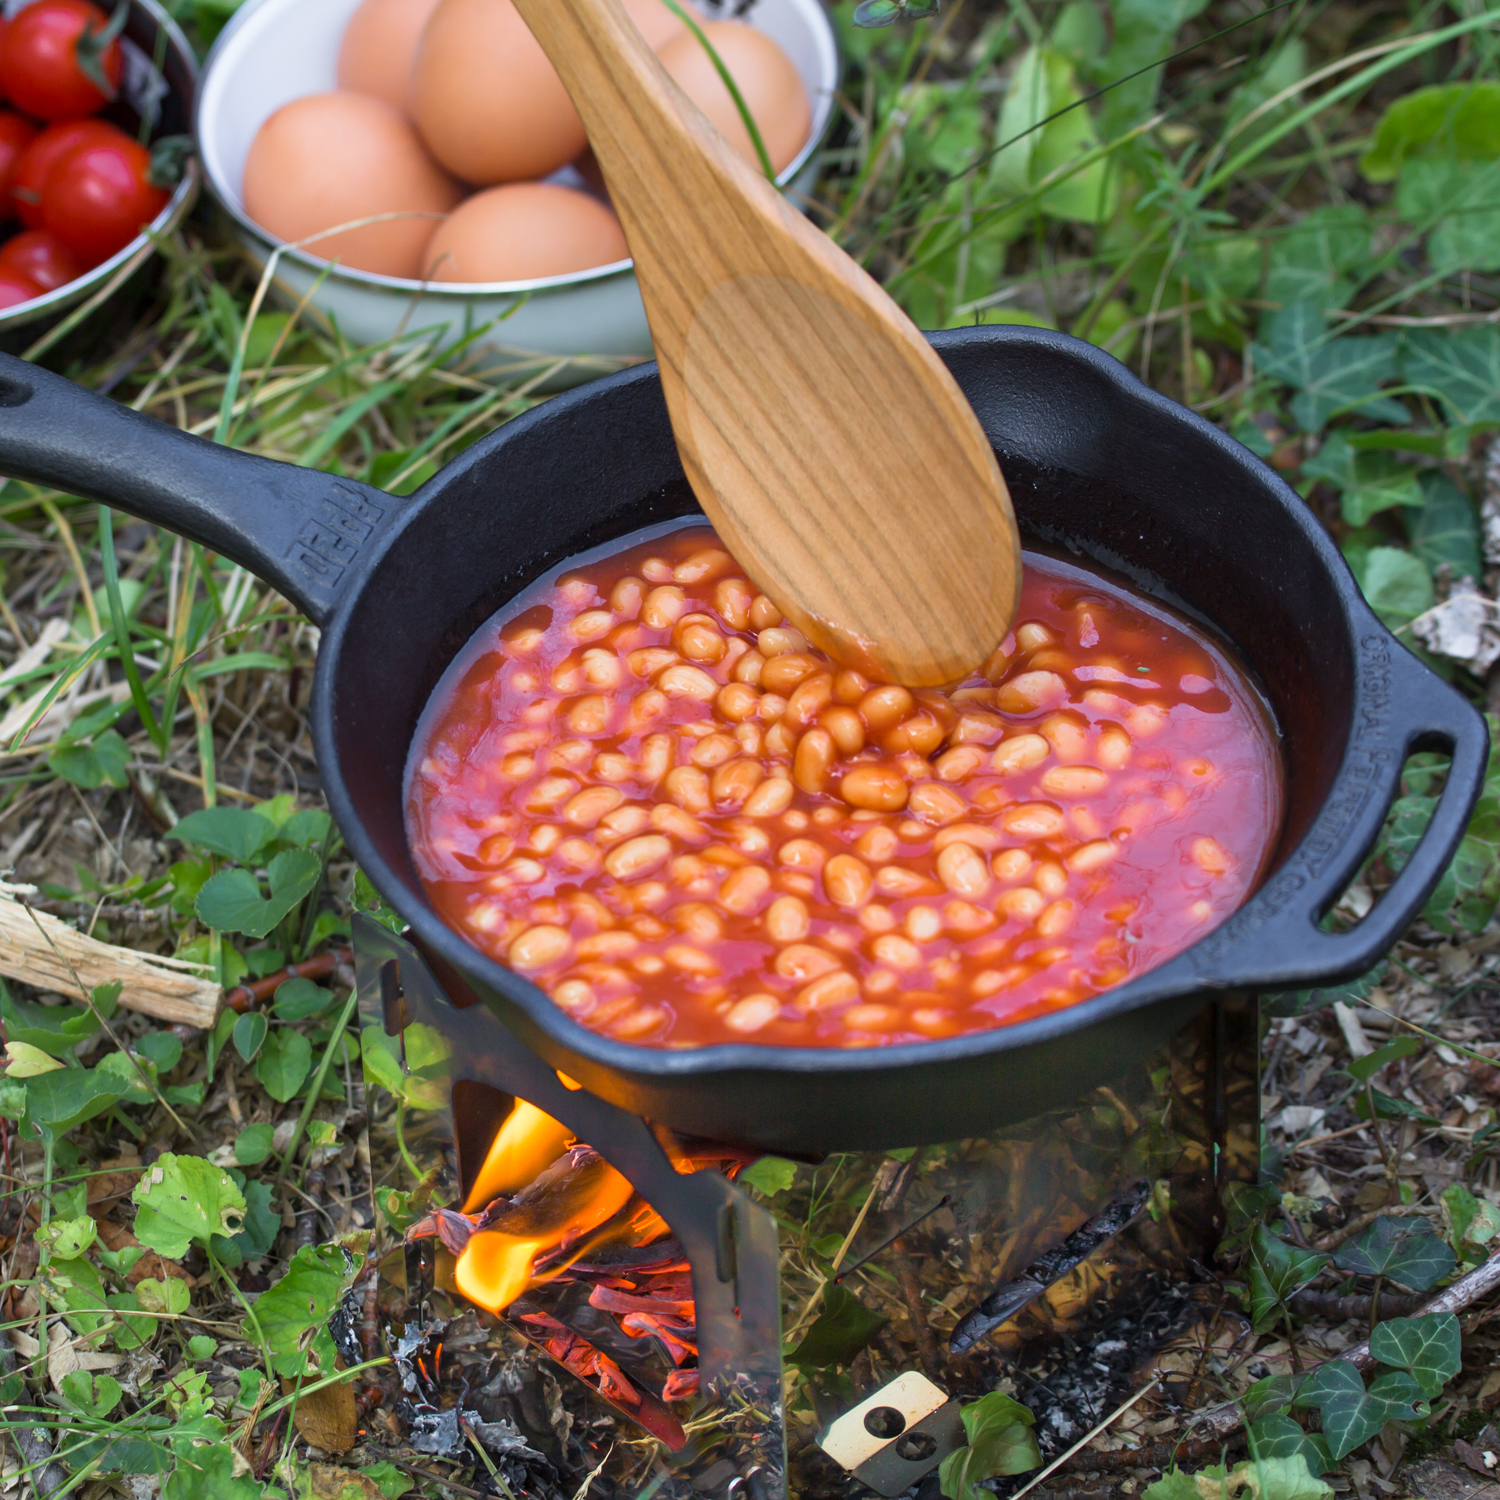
x,y
95,108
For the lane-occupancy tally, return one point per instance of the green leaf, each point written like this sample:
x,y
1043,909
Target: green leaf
x,y
388,1479
207,1473
1353,1415
100,764
169,1296
1427,1347
60,1101
98,1395
262,1225
1447,530
1366,1067
67,1238
302,1301
1460,200
1331,374
1371,482
161,1048
1279,1436
1473,1223
1277,1269
250,1033
1396,585
843,1327
1001,1442
365,898
769,1175
1461,367
1404,1250
298,999
233,832
1450,120
74,1285
253,1144
284,1064
305,829
185,1200
232,900
1389,1108
1313,260
1144,31
201,1347
56,1029
1304,1002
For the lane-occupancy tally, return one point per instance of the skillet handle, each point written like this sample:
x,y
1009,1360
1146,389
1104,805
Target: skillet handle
x,y
299,529
1400,707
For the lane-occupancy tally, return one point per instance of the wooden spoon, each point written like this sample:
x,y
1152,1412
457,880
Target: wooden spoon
x,y
828,444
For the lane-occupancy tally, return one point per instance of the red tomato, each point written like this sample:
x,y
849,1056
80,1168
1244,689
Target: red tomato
x,y
48,54
16,134
98,197
41,256
38,159
16,288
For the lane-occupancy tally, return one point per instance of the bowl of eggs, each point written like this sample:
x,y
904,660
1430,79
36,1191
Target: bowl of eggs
x,y
418,171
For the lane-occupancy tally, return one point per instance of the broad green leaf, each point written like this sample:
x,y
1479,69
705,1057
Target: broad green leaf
x,y
302,1301
1353,1415
1331,374
1267,1479
770,1175
1447,528
59,1101
185,1200
136,1330
233,832
74,1285
1320,257
1461,367
207,1473
1388,1107
232,900
262,1225
1396,585
284,1063
1371,482
53,1028
1144,32
1366,1067
305,829
298,999
843,1327
169,1296
1269,1396
161,1048
1279,1436
1001,1442
1450,120
1473,1223
1427,1347
1277,1269
1404,1250
67,1239
253,1144
1460,200
389,1480
98,1395
201,1347
250,1033
101,763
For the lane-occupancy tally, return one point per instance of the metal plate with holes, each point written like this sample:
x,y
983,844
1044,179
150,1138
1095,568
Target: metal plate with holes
x,y
894,1437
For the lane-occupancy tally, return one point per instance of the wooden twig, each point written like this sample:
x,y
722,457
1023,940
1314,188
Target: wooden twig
x,y
40,950
1089,1436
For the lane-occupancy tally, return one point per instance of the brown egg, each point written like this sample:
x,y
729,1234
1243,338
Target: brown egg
x,y
380,46
524,230
763,73
328,159
488,103
654,21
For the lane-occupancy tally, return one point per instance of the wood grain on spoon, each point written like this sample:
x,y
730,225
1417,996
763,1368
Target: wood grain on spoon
x,y
826,441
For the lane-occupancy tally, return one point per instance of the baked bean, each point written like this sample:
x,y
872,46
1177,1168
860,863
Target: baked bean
x,y
847,880
874,786
786,920
669,763
1074,781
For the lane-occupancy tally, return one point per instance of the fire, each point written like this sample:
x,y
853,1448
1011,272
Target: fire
x,y
533,1194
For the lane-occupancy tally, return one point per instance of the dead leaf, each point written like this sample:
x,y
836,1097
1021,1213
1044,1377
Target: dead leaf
x,y
329,1482
23,1343
64,1356
116,1237
327,1418
108,1187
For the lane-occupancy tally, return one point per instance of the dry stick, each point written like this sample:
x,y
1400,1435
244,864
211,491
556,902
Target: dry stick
x,y
1230,1417
1089,1437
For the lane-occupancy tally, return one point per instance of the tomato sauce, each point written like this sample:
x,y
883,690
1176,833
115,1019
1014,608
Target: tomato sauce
x,y
640,788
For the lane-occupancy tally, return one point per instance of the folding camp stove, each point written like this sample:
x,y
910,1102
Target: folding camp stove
x,y
715,1360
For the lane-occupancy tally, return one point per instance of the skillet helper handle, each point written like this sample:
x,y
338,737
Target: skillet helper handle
x,y
1400,707
299,529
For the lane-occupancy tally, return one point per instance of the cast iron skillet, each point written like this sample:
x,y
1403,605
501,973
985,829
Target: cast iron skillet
x,y
1096,462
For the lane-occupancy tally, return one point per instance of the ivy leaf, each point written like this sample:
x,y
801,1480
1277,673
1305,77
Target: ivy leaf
x,y
770,1175
1450,120
1396,585
185,1200
232,902
1460,200
284,1063
250,1034
1366,1067
1277,1269
1280,1436
236,833
1371,481
1001,1442
842,1328
1404,1250
1426,1347
1332,374
302,1301
1447,530
1353,1415
101,763
1312,260
1263,1479
1461,367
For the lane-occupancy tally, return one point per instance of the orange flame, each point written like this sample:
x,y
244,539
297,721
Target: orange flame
x,y
528,1141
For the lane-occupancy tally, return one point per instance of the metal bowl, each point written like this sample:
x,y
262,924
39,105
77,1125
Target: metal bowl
x,y
274,51
160,84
